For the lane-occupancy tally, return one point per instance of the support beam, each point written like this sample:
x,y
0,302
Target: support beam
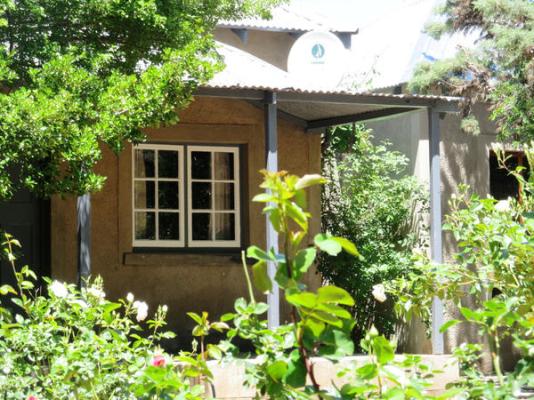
x,y
346,39
319,125
271,157
436,244
83,208
302,123
242,34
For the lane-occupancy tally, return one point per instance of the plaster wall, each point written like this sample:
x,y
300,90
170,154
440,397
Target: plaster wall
x,y
185,282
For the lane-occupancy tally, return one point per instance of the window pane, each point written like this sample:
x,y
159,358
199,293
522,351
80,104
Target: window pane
x,y
224,226
144,194
201,194
201,226
144,163
168,195
169,226
167,164
224,166
201,165
145,225
224,196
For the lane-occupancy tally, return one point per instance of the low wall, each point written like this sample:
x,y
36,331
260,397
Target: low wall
x,y
228,378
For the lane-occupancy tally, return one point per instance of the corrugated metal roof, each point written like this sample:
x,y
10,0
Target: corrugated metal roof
x,y
287,19
244,71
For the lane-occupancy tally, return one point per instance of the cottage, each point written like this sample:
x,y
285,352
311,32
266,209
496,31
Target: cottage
x,y
176,211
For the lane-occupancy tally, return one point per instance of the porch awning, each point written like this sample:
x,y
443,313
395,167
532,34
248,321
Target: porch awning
x,y
313,107
315,110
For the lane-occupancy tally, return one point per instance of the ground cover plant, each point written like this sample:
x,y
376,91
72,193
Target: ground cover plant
x,y
370,200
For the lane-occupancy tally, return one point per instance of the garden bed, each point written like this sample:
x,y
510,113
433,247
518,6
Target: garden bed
x,y
229,378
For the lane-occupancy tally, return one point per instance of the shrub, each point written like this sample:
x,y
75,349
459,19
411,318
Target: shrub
x,y
76,344
494,264
369,201
320,323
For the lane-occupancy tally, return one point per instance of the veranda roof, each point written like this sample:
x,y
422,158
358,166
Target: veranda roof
x,y
314,107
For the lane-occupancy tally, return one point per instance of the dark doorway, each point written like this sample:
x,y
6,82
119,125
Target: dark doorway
x,y
27,218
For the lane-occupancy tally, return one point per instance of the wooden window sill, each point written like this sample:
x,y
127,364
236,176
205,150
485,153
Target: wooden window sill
x,y
180,259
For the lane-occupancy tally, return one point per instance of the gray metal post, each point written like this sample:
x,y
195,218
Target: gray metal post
x,y
271,156
83,208
436,244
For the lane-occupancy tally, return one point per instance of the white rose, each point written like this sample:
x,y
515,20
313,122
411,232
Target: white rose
x,y
142,310
58,289
97,293
503,206
81,303
130,297
379,293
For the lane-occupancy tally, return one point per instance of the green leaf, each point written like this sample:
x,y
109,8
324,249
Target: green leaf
x,y
316,327
448,324
277,370
304,259
348,246
383,349
302,299
326,317
298,215
195,317
326,243
334,294
334,310
264,198
261,278
260,308
367,371
470,315
309,180
5,289
258,254
296,371
219,326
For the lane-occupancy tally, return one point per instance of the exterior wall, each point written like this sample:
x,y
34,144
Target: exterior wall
x,y
464,160
185,282
272,47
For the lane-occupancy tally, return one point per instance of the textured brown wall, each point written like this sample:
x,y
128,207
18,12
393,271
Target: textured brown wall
x,y
183,282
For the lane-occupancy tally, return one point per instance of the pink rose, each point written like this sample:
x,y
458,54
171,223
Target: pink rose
x,y
159,361
31,397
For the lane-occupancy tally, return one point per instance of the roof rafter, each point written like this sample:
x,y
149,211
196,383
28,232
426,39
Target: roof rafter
x,y
319,125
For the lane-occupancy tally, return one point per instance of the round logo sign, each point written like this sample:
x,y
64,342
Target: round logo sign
x,y
318,51
317,59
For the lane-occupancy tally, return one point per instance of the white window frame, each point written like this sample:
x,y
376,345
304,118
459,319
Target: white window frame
x,y
237,189
156,179
186,212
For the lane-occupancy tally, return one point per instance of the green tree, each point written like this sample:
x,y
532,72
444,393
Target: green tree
x,y
78,74
499,70
370,202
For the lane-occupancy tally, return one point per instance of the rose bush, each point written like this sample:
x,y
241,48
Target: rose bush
x,y
76,344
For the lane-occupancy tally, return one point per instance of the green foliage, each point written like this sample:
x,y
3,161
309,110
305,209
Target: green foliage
x,y
498,70
494,264
368,201
321,323
77,344
77,75
385,376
